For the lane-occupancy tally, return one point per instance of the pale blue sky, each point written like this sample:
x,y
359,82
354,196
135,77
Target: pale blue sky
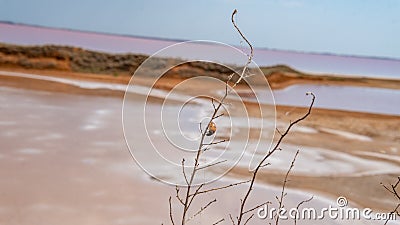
x,y
350,27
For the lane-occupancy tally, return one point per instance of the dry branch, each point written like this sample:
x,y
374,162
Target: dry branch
x,y
219,221
393,190
189,196
262,162
283,194
298,206
170,211
212,164
202,209
247,41
223,187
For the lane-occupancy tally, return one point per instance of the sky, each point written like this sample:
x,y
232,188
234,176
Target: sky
x,y
345,27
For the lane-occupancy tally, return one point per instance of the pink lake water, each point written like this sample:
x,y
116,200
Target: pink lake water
x,y
63,160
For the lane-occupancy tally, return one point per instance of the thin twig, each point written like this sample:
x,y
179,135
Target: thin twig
x,y
393,190
393,213
213,164
280,200
218,116
266,164
212,102
230,217
257,206
183,171
298,206
248,219
219,221
205,149
248,43
216,142
170,211
223,187
194,195
202,209
276,147
177,195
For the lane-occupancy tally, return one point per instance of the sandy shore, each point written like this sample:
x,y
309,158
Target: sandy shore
x,y
277,80
282,80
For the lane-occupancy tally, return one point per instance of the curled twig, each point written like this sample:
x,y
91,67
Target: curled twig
x,y
248,43
298,206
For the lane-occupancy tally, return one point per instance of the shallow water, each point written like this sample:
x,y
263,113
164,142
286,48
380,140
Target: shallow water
x,y
347,98
63,160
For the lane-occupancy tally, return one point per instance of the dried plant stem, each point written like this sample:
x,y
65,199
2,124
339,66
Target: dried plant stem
x,y
248,43
283,193
393,190
170,211
298,206
219,221
223,187
189,196
262,162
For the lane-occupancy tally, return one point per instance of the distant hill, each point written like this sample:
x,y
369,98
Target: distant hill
x,y
73,59
67,59
64,58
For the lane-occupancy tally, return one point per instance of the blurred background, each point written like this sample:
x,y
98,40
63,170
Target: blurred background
x,y
65,67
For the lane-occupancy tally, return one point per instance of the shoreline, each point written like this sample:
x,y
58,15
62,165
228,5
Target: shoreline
x,y
162,84
280,80
277,80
